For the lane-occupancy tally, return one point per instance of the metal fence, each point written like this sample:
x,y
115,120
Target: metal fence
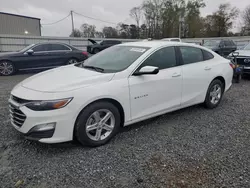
x,y
16,42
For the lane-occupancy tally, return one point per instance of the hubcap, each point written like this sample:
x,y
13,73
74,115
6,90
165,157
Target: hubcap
x,y
72,61
215,94
6,68
100,124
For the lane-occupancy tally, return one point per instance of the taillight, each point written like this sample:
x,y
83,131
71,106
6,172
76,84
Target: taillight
x,y
85,53
232,65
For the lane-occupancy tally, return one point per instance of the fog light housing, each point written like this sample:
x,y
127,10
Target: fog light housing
x,y
41,131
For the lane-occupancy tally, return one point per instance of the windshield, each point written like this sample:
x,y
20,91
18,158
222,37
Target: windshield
x,y
247,47
26,48
212,43
116,58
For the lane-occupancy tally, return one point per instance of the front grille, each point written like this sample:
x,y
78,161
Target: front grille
x,y
241,61
17,117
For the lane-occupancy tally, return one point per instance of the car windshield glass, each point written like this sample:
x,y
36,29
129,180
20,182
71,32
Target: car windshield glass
x,y
247,47
26,48
115,59
212,43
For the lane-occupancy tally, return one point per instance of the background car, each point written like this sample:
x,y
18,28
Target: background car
x,y
222,47
243,58
172,39
40,56
99,46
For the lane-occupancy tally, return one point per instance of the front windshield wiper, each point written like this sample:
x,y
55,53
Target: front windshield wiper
x,y
98,69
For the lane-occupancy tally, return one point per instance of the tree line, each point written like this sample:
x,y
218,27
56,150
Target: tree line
x,y
172,18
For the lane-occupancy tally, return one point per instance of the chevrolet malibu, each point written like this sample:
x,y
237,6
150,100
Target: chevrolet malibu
x,y
117,87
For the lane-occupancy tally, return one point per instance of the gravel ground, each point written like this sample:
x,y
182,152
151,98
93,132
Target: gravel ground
x,y
193,147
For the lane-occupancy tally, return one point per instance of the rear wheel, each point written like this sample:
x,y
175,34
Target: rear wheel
x,y
72,61
6,68
214,94
97,124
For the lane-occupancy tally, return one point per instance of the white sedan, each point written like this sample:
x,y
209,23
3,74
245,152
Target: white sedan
x,y
119,86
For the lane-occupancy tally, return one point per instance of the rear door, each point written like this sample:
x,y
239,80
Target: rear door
x,y
59,54
196,76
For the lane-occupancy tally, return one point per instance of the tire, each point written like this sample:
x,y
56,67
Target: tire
x,y
7,68
213,98
72,61
89,117
96,50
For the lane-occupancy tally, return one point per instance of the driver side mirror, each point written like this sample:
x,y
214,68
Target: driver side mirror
x,y
147,70
235,54
30,52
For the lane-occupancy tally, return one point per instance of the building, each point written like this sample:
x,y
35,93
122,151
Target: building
x,y
12,24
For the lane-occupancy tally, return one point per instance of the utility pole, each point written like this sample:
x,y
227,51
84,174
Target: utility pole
x,y
72,19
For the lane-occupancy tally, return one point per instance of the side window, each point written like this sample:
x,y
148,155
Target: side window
x,y
56,47
163,58
222,43
228,43
41,48
207,55
191,54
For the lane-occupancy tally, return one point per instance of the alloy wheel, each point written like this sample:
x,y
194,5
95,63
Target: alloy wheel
x,y
100,125
6,68
72,61
215,94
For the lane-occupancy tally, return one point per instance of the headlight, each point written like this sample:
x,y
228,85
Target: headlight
x,y
48,105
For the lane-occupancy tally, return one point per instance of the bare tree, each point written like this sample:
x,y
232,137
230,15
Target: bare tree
x,y
246,20
135,13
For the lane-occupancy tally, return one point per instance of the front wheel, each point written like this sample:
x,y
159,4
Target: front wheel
x,y
214,94
97,124
6,68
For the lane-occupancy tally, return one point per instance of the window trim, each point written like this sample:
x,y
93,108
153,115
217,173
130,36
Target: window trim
x,y
70,49
181,58
203,52
178,62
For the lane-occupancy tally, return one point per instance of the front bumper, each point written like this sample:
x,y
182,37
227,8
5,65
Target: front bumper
x,y
63,119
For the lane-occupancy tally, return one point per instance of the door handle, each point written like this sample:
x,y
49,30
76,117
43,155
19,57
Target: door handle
x,y
176,75
208,68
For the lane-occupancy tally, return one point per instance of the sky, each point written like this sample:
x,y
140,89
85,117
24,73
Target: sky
x,y
114,11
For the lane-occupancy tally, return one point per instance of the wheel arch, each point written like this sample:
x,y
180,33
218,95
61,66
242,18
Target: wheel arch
x,y
222,79
110,100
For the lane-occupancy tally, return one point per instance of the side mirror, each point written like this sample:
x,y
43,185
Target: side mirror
x,y
235,54
147,70
30,52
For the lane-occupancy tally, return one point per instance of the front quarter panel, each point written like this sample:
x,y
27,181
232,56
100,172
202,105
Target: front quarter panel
x,y
116,89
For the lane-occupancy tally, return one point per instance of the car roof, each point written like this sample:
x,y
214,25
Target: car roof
x,y
156,44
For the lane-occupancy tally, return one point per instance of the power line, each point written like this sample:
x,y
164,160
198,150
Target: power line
x,y
95,18
57,21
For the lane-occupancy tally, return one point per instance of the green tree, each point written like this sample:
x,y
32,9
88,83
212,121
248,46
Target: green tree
x,y
76,33
88,30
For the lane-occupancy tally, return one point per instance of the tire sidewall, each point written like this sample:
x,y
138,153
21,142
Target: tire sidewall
x,y
14,70
80,126
70,60
207,102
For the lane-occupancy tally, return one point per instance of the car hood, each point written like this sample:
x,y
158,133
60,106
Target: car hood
x,y
65,78
92,41
3,54
243,52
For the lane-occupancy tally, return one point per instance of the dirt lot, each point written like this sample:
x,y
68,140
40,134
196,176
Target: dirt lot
x,y
192,148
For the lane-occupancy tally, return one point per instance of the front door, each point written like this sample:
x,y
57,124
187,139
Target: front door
x,y
151,94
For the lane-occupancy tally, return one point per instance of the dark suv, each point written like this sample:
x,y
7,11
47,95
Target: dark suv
x,y
99,46
223,47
